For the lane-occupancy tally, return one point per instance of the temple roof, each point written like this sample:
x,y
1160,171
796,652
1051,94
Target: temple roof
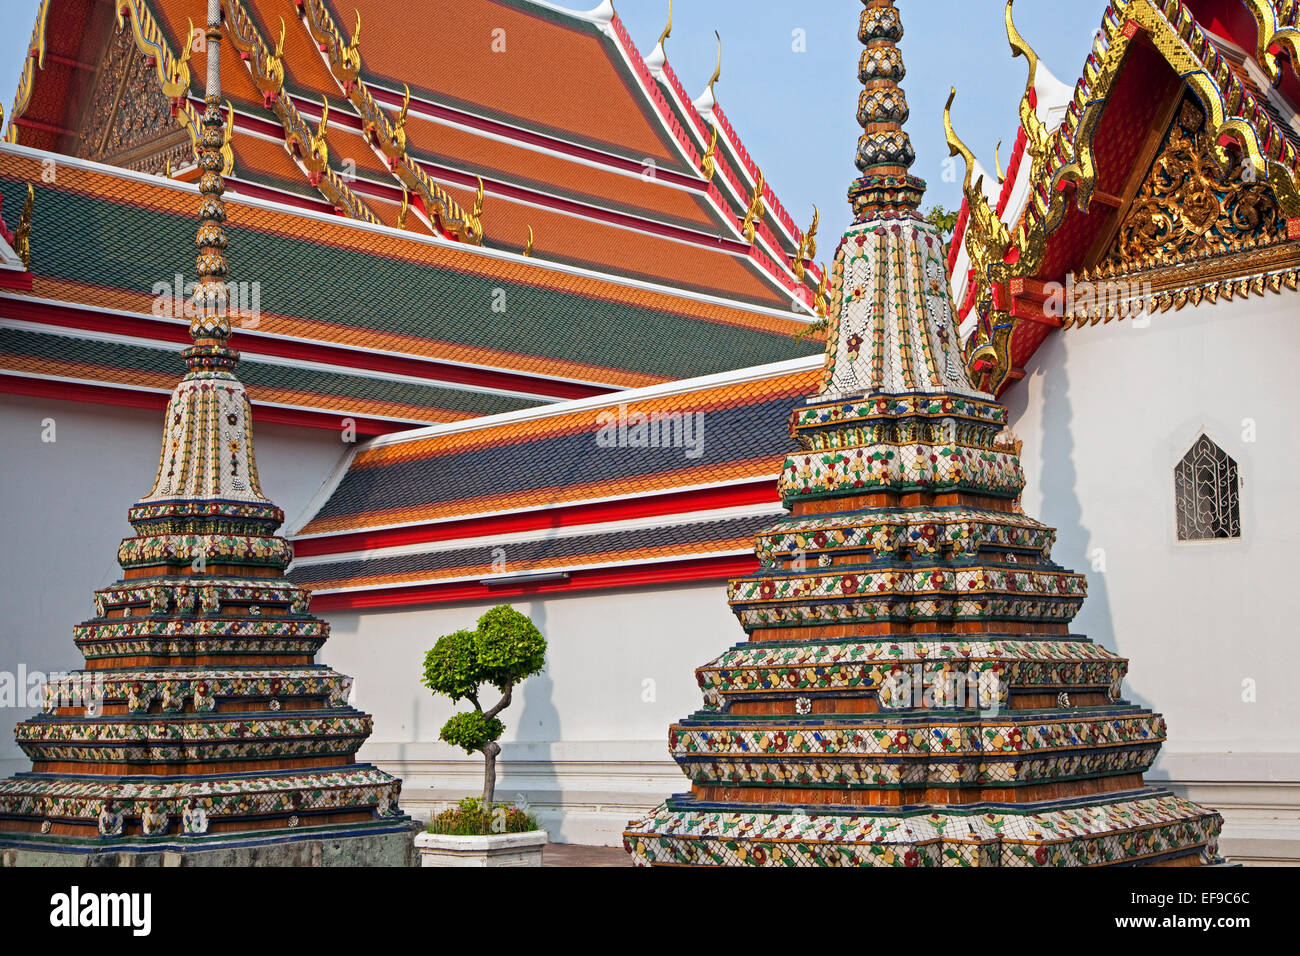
x,y
1079,163
355,318
554,111
415,516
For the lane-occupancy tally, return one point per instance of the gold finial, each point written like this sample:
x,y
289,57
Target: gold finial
x,y
755,211
807,246
478,199
168,167
717,70
668,30
1035,130
528,246
23,233
396,145
823,292
279,46
319,148
349,57
178,73
1019,47
708,165
405,207
955,146
997,163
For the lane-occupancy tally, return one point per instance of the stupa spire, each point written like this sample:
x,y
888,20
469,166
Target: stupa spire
x,y
885,151
207,451
202,724
211,322
910,693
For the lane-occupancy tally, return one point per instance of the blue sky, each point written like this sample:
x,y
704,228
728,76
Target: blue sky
x,y
795,110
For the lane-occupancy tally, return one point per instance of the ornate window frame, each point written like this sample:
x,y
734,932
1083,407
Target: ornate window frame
x,y
1227,473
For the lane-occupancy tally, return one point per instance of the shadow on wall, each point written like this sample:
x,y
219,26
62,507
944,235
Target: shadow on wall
x,y
537,728
1075,547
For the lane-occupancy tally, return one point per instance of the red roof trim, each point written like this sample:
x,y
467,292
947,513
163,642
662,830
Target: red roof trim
x,y
564,516
157,401
594,579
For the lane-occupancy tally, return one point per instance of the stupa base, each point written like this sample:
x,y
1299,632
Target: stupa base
x,y
1136,828
391,843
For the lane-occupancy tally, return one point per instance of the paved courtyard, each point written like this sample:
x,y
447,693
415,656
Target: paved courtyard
x,y
574,854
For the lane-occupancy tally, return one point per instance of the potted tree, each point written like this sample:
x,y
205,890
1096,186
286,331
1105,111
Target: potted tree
x,y
503,650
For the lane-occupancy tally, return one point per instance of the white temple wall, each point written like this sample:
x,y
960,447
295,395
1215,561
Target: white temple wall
x,y
63,508
1209,627
586,742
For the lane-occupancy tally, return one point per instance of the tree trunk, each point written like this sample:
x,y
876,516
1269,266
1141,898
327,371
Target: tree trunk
x,y
490,775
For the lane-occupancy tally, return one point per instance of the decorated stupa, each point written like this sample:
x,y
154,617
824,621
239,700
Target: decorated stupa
x,y
911,693
201,730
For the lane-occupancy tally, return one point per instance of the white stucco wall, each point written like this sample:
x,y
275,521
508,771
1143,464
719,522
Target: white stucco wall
x,y
1105,414
586,742
63,508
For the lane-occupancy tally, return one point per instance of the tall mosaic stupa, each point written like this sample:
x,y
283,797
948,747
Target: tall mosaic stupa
x,y
910,693
201,730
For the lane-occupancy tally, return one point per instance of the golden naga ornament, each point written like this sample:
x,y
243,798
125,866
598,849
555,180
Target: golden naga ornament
x,y
23,232
176,83
708,165
823,292
807,246
987,236
396,134
437,207
404,209
265,68
756,210
319,147
350,55
528,246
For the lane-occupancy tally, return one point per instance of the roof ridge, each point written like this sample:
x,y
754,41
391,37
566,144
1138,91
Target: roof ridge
x,y
547,265
663,390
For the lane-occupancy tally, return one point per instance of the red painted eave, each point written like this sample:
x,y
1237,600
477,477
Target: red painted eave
x,y
758,492
587,579
157,401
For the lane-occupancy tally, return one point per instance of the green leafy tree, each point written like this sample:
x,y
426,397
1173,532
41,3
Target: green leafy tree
x,y
945,220
502,651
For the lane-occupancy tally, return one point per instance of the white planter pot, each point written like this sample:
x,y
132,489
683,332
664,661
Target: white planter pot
x,y
495,849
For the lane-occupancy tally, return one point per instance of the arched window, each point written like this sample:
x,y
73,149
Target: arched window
x,y
1205,493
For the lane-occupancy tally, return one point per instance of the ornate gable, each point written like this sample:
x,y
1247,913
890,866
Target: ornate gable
x,y
1013,263
1193,232
128,120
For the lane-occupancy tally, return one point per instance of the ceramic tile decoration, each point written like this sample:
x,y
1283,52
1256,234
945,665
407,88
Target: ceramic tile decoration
x,y
910,694
201,722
